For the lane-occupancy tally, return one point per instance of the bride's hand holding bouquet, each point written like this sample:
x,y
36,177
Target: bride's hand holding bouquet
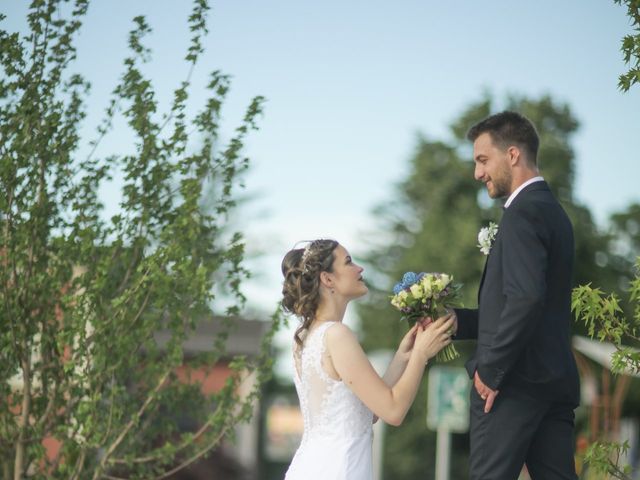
x,y
427,295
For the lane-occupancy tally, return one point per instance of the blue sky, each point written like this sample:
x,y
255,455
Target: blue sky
x,y
350,85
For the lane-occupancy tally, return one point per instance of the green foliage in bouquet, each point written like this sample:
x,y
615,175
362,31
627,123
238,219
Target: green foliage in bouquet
x,y
427,295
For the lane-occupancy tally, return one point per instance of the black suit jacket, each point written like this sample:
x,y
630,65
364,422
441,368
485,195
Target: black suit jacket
x,y
523,319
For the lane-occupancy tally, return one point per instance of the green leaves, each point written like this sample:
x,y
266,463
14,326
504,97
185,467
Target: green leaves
x,y
631,47
604,458
601,314
607,321
98,310
198,25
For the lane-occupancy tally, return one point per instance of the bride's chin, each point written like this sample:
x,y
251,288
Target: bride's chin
x,y
361,292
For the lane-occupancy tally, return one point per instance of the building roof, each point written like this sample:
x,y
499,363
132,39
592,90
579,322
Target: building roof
x,y
244,336
599,352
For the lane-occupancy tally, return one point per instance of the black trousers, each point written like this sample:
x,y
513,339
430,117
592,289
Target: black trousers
x,y
519,430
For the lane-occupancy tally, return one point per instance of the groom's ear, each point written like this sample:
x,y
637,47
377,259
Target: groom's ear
x,y
514,155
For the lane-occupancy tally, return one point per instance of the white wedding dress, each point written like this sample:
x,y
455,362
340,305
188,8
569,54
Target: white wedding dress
x,y
337,439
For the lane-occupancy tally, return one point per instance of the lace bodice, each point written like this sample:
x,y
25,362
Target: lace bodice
x,y
337,438
328,407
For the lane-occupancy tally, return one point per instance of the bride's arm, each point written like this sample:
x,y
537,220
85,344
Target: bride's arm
x,y
400,359
389,403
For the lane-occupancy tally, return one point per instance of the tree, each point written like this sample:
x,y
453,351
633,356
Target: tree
x,y
631,47
624,243
431,224
608,317
607,321
83,296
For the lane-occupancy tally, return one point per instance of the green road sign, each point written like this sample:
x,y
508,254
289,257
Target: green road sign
x,y
448,400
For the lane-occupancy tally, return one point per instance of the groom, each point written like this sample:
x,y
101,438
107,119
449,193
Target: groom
x,y
524,375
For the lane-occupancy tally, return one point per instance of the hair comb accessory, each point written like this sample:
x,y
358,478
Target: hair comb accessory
x,y
305,257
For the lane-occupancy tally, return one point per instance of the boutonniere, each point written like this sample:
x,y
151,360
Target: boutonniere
x,y
486,237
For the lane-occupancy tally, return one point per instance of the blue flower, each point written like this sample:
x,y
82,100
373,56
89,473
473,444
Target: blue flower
x,y
409,279
397,288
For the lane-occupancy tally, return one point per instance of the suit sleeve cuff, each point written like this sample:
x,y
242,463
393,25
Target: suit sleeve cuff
x,y
467,324
491,377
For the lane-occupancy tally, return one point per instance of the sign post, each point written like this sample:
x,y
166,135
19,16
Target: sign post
x,y
447,411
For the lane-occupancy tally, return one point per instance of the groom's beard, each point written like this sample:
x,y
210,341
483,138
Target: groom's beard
x,y
501,184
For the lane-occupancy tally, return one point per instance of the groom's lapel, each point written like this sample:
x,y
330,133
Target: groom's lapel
x,y
484,272
529,188
486,262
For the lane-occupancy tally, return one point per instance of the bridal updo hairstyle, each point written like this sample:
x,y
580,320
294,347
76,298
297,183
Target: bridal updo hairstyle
x,y
301,268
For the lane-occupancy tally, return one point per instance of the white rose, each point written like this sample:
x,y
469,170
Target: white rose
x,y
486,236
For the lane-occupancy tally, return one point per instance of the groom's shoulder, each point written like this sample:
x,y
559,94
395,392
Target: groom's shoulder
x,y
531,208
528,205
537,207
537,198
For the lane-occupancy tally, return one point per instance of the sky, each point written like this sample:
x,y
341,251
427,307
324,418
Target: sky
x,y
350,85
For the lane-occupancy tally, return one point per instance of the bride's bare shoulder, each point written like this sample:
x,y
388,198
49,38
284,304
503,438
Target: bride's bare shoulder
x,y
340,333
338,328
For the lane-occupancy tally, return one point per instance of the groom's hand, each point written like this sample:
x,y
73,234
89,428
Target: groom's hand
x,y
485,392
451,311
425,321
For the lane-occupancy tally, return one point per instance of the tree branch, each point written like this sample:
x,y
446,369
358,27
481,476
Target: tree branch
x,y
129,425
24,415
197,456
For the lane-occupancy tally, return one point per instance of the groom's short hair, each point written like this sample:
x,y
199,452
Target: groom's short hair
x,y
509,128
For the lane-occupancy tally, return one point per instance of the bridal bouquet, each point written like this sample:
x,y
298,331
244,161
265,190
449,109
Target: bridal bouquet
x,y
420,295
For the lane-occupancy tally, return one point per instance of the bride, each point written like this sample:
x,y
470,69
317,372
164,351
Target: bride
x,y
339,390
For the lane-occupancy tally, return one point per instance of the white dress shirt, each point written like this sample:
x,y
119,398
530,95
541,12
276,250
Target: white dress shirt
x,y
519,189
